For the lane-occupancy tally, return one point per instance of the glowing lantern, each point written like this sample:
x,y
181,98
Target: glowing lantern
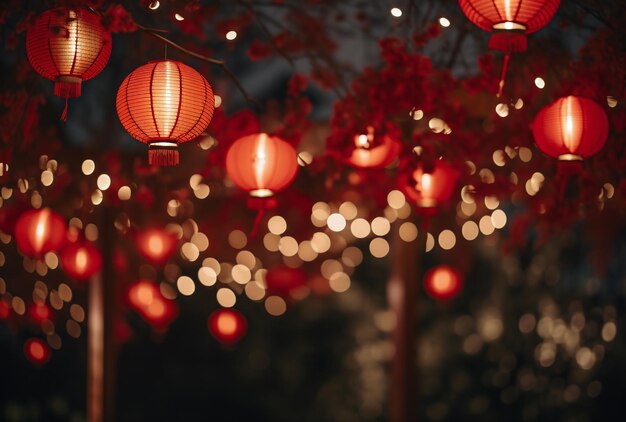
x,y
81,260
282,280
430,186
5,309
571,128
37,351
165,103
38,232
68,46
39,312
443,282
227,325
147,299
157,245
261,164
369,155
509,20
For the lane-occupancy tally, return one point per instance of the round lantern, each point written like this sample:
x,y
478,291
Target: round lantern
x,y
368,154
430,185
571,128
261,164
37,351
68,46
38,232
282,280
81,260
227,325
165,103
443,282
509,20
148,300
156,245
39,312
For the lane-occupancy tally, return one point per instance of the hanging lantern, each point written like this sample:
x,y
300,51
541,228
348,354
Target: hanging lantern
x,y
369,154
430,185
156,245
227,325
165,103
571,128
148,300
261,164
68,46
81,260
282,280
38,232
443,282
37,351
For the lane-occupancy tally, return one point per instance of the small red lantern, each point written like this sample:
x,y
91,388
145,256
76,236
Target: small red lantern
x,y
68,46
156,245
443,282
81,260
38,232
261,164
37,351
5,309
165,103
282,280
39,312
571,128
509,20
430,184
227,325
148,300
370,154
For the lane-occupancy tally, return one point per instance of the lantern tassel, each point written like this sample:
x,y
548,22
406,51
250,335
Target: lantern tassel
x,y
256,224
505,67
64,113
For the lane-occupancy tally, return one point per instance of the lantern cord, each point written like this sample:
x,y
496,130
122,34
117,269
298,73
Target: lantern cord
x,y
256,224
64,114
505,67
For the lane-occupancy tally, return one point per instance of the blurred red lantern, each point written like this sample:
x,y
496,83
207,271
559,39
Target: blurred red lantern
x,y
37,351
227,325
509,20
156,245
148,300
571,128
443,282
81,260
261,164
369,154
430,185
68,46
282,280
38,232
39,312
165,103
5,309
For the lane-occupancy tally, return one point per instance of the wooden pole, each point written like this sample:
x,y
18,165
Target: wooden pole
x,y
402,289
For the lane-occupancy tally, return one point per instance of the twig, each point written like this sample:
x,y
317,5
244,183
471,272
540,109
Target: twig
x,y
211,60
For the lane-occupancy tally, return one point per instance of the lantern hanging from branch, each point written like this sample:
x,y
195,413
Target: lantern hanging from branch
x,y
571,128
430,184
156,245
509,21
38,232
227,325
165,103
68,46
81,260
443,282
370,153
261,164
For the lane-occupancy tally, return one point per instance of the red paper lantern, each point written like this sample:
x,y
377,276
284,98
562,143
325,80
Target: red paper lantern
x,y
148,300
571,128
261,164
430,185
81,260
443,282
68,46
368,154
39,312
165,103
227,325
38,232
282,280
509,20
37,351
156,245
